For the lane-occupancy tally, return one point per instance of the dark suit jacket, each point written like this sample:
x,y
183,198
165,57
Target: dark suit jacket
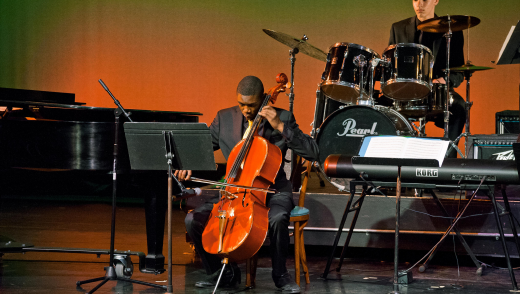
x,y
227,130
404,32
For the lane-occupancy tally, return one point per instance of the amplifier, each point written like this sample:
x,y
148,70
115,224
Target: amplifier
x,y
507,122
496,147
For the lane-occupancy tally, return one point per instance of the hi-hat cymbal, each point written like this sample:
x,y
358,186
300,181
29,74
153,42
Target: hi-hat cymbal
x,y
302,45
468,67
440,24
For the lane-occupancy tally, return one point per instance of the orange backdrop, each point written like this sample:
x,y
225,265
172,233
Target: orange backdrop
x,y
190,55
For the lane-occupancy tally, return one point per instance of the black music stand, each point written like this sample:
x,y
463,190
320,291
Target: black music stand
x,y
168,146
399,162
510,52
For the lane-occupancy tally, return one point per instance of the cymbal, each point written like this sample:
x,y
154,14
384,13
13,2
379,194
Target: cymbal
x,y
302,45
440,24
468,67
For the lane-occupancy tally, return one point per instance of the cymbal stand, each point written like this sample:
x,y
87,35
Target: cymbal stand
x,y
292,58
447,103
467,104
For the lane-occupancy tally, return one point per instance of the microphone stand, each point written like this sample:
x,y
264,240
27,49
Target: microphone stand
x,y
110,271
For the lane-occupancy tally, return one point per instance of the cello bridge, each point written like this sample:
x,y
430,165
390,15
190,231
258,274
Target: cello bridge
x,y
228,195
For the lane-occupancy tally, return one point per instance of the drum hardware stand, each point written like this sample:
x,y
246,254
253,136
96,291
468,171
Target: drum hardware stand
x,y
447,73
422,124
292,54
110,271
319,111
467,106
360,62
292,58
373,63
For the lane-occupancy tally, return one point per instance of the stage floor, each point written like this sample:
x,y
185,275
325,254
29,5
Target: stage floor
x,y
81,224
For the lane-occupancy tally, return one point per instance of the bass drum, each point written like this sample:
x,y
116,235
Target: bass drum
x,y
343,130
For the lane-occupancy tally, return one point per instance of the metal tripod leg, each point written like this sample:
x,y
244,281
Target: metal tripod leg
x,y
357,208
502,238
479,266
397,224
511,222
342,224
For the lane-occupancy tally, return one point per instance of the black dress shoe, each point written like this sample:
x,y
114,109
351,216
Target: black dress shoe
x,y
286,284
230,278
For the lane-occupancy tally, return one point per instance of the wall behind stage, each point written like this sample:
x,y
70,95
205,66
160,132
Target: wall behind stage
x,y
190,55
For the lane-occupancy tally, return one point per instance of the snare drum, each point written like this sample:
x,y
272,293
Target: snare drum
x,y
431,106
438,99
341,78
409,76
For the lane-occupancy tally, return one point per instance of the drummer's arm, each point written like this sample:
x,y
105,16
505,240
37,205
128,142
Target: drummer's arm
x,y
296,140
456,79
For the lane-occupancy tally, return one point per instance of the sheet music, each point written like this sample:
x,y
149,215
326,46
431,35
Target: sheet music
x,y
404,147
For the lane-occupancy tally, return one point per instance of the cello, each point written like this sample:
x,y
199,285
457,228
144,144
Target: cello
x,y
238,223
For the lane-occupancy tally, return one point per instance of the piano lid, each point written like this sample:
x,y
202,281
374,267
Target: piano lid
x,y
50,131
21,95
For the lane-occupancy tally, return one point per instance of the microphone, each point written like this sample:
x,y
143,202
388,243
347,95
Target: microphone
x,y
185,193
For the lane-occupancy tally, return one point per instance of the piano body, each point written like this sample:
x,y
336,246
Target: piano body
x,y
50,131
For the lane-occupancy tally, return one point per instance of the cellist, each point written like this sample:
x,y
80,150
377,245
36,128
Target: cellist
x,y
227,129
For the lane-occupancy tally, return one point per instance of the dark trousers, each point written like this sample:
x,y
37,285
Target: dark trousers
x,y
280,205
457,120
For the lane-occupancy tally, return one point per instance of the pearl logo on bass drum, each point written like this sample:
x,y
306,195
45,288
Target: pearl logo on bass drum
x,y
427,172
351,131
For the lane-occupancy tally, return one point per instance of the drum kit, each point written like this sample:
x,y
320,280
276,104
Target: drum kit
x,y
347,107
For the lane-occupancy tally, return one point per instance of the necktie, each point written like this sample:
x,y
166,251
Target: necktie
x,y
250,122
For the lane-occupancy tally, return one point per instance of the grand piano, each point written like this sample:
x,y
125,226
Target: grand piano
x,y
50,132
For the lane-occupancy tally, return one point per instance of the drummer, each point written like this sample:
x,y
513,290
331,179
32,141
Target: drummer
x,y
406,31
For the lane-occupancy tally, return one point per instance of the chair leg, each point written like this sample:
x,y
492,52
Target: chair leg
x,y
251,264
303,255
297,252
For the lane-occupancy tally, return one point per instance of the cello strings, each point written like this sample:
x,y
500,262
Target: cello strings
x,y
245,148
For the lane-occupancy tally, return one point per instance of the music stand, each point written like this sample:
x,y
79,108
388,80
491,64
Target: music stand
x,y
399,162
510,52
168,146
